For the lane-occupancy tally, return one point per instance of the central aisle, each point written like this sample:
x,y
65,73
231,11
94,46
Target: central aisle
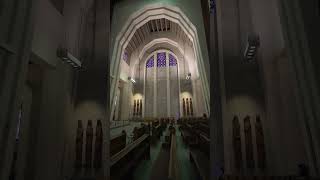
x,y
148,167
187,169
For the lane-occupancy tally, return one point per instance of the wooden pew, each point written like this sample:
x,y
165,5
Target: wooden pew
x,y
124,162
157,129
191,134
200,146
202,163
230,177
185,131
202,131
118,143
138,132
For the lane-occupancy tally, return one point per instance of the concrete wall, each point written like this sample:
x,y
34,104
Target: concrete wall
x,y
48,32
282,123
56,129
264,88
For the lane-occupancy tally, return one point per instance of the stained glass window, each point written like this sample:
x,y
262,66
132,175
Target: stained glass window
x,y
212,6
126,57
172,60
161,59
150,62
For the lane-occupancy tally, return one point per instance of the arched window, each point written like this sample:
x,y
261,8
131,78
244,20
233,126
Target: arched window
x,y
161,85
161,59
126,57
150,62
172,60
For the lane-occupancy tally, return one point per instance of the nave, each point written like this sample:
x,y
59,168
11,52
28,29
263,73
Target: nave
x,y
83,85
161,149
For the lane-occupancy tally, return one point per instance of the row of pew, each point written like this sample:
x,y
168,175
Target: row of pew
x,y
125,156
158,126
265,178
195,133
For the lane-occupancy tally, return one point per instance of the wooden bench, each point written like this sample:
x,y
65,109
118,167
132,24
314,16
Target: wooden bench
x,y
201,162
117,143
124,162
202,131
227,177
204,144
192,138
138,132
157,129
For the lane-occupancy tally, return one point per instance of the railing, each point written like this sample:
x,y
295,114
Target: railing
x,y
115,158
7,48
116,124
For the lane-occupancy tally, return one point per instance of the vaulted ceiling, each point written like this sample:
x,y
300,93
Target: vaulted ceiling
x,y
156,27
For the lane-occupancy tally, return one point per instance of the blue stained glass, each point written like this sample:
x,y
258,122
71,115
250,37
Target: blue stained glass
x,y
150,62
172,60
161,59
212,6
126,57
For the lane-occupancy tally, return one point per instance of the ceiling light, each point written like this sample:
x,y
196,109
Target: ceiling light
x,y
188,76
68,57
252,47
132,80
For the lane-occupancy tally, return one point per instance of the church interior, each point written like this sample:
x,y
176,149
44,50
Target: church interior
x,y
159,90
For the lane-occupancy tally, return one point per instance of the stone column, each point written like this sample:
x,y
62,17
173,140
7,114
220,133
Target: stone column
x,y
15,46
217,96
93,84
295,26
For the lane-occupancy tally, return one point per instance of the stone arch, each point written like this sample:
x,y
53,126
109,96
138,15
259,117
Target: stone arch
x,y
136,20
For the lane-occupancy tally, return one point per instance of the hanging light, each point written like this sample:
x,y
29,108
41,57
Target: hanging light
x,y
67,57
252,47
188,76
132,80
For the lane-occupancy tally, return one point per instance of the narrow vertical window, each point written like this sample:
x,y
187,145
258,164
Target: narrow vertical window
x,y
191,107
260,144
97,162
79,144
172,60
150,62
161,59
187,104
134,107
140,107
237,143
89,142
248,143
126,57
184,107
